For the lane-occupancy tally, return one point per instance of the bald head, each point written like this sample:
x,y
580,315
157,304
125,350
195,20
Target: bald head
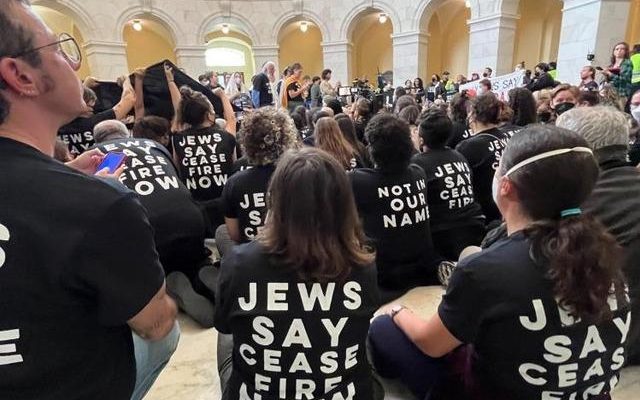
x,y
110,130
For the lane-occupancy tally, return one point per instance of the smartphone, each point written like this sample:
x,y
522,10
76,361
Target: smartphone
x,y
112,161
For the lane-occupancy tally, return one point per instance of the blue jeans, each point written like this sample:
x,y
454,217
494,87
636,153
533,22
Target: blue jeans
x,y
151,358
394,356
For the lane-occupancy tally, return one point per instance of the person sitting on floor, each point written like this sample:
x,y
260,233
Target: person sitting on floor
x,y
178,224
484,149
548,296
455,217
614,200
266,134
293,306
392,203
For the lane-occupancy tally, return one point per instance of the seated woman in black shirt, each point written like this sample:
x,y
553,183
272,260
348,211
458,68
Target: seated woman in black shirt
x,y
329,138
392,202
349,132
456,218
484,149
266,135
203,152
459,113
544,313
297,301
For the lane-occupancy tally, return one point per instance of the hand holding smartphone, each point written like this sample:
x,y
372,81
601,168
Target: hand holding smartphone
x,y
111,162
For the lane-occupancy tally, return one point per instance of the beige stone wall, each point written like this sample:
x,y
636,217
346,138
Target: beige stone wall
x,y
491,34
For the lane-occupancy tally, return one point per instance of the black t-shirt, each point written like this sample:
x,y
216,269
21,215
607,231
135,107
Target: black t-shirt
x,y
77,261
527,347
295,86
78,134
449,189
591,86
262,84
205,160
245,198
241,164
292,337
361,125
177,221
483,152
510,129
395,215
460,132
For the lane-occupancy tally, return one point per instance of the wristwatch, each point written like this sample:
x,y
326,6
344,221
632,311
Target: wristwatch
x,y
395,310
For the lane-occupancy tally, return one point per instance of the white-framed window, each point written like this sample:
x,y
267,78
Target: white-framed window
x,y
224,57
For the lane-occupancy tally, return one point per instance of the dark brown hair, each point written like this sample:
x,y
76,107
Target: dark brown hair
x,y
61,152
194,108
317,231
523,104
626,53
152,127
486,108
329,138
349,132
21,40
582,260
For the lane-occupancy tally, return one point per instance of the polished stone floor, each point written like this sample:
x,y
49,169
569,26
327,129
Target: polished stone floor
x,y
192,373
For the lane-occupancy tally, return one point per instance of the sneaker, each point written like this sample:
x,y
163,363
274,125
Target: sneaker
x,y
445,270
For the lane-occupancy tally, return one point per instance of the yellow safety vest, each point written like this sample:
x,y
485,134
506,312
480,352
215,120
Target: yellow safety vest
x,y
635,60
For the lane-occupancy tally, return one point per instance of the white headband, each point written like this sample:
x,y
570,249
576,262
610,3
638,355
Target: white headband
x,y
548,154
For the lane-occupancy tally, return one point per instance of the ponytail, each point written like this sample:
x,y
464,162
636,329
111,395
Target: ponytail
x,y
583,263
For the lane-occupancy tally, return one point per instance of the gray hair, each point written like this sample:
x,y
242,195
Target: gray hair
x,y
266,66
600,126
109,130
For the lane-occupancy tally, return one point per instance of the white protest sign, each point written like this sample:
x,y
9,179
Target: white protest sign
x,y
500,85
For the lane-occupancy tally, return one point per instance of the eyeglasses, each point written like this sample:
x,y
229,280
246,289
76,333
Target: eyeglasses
x,y
67,46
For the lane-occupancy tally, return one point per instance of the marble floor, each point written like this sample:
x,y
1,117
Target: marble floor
x,y
192,374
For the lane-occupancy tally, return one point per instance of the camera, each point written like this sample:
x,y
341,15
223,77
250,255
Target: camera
x,y
591,57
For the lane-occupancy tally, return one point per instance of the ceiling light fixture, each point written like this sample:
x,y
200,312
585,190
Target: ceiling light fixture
x,y
304,26
383,18
136,25
225,29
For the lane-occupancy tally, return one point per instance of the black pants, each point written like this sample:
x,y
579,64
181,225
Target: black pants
x,y
450,243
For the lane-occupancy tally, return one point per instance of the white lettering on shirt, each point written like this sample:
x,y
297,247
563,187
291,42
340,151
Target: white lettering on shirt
x,y
4,237
8,352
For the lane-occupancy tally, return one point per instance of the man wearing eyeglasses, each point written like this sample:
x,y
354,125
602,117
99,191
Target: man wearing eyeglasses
x,y
78,269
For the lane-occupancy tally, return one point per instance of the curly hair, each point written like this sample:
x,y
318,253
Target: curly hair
x,y
266,134
459,107
523,104
486,108
389,142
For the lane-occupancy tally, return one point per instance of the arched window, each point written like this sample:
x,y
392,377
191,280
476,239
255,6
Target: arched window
x,y
225,57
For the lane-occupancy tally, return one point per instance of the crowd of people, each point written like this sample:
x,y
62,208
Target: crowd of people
x,y
322,209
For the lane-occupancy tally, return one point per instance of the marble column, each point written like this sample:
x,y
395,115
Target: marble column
x,y
491,43
589,26
192,59
337,57
107,60
409,56
265,53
